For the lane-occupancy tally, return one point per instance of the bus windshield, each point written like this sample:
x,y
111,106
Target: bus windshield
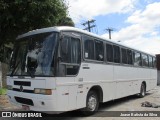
x,y
33,55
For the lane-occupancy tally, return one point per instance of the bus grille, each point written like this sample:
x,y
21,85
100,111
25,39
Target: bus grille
x,y
24,101
26,91
23,83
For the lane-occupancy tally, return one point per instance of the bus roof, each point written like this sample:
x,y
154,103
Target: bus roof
x,y
67,28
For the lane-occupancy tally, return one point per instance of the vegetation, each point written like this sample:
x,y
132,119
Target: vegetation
x,y
20,16
3,91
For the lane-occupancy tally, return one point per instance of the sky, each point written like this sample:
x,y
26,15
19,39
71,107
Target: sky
x,y
135,23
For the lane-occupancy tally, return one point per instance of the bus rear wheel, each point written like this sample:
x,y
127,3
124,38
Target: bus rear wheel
x,y
142,90
92,103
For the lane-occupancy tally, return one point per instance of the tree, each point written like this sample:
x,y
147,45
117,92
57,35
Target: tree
x,y
20,16
66,22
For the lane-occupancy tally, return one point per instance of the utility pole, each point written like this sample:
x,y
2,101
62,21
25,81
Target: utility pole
x,y
109,31
88,23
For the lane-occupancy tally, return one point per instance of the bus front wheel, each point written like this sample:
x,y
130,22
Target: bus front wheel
x,y
142,90
92,103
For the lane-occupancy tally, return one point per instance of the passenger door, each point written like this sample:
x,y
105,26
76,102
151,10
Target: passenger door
x,y
70,59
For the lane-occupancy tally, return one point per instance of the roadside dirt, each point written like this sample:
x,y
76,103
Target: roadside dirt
x,y
5,104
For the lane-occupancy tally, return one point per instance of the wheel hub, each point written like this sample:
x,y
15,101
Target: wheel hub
x,y
92,102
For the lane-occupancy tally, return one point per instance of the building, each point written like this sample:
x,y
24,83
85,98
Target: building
x,y
158,69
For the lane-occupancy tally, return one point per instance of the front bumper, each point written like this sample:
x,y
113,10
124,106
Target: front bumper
x,y
42,103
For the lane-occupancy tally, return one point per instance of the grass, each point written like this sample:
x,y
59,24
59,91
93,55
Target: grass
x,y
3,91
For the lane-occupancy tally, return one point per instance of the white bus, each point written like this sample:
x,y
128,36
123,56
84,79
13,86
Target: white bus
x,y
64,68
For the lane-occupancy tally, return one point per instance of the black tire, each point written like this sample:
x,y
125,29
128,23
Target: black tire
x,y
92,104
142,90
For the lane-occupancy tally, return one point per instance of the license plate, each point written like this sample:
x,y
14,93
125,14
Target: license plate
x,y
25,107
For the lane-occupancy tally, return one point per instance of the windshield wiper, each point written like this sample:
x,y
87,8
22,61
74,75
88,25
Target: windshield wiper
x,y
14,69
29,71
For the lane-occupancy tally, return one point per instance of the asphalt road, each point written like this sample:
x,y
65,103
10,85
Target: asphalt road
x,y
127,104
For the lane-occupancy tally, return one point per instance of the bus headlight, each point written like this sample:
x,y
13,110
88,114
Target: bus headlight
x,y
9,87
43,91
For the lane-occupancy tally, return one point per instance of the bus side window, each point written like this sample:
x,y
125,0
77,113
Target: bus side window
x,y
154,62
64,49
150,62
70,55
89,48
99,49
136,59
116,54
129,56
109,52
144,60
70,50
75,51
124,55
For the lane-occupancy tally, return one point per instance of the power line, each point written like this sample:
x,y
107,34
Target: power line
x,y
89,26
